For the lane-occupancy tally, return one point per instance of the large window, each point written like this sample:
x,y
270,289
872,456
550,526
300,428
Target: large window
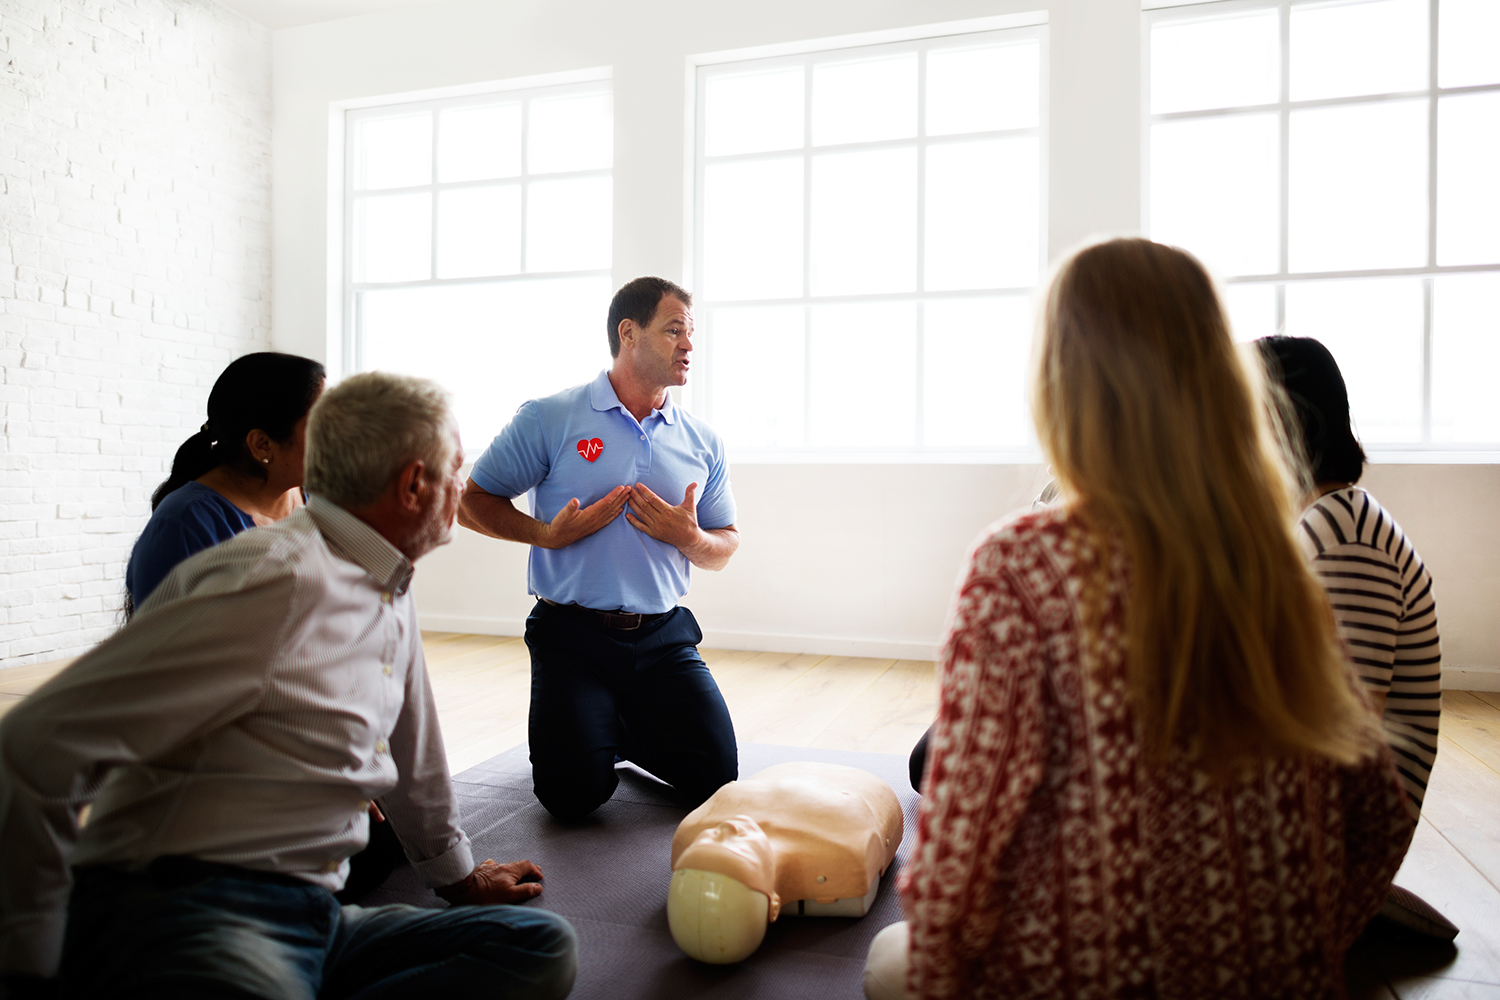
x,y
478,244
1336,163
868,235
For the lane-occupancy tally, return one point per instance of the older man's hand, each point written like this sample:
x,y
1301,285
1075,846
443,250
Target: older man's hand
x,y
491,882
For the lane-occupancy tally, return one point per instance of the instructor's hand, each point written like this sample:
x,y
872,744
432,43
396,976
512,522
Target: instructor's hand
x,y
674,525
492,882
572,523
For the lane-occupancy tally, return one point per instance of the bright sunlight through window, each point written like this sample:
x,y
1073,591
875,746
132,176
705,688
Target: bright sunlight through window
x,y
868,235
478,236
1335,163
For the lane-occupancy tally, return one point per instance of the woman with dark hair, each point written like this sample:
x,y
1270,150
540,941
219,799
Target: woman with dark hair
x,y
242,468
1380,589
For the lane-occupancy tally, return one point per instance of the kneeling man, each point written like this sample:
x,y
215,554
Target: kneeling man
x,y
231,738
615,671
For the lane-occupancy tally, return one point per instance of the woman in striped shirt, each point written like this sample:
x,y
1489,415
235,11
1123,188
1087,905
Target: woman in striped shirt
x,y
1380,590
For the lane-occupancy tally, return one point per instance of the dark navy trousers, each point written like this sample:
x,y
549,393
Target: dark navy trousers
x,y
644,695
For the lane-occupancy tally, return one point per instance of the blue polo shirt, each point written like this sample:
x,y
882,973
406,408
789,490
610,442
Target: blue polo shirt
x,y
547,449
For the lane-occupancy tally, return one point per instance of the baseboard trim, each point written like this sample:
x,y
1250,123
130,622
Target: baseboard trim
x,y
769,642
1471,678
820,645
471,626
1455,678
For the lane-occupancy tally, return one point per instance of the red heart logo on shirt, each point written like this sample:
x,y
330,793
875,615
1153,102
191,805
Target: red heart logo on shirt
x,y
590,448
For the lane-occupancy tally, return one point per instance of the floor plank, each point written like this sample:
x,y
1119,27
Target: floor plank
x,y
1463,803
24,680
809,704
1474,725
891,715
1437,872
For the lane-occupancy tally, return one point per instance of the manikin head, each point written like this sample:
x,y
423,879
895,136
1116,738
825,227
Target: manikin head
x,y
723,892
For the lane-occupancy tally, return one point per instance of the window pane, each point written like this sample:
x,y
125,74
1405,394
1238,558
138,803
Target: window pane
x,y
1358,48
1468,165
862,390
568,224
570,133
1373,328
865,101
980,90
864,222
479,231
1359,187
758,368
479,143
752,230
975,357
393,237
1251,309
493,346
982,210
393,152
1465,357
1223,63
1215,190
1468,43
753,113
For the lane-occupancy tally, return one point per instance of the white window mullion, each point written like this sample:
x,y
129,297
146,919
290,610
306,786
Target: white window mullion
x,y
807,248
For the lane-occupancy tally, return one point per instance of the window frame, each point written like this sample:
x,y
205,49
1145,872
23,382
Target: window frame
x,y
348,115
1426,450
699,393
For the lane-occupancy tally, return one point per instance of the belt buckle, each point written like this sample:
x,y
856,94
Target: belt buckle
x,y
619,620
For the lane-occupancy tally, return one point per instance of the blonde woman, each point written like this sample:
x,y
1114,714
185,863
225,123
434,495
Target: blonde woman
x,y
1152,772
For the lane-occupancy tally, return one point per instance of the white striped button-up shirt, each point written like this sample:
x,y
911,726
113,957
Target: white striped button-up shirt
x,y
268,690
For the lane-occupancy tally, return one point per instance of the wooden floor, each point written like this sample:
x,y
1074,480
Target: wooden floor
x,y
482,682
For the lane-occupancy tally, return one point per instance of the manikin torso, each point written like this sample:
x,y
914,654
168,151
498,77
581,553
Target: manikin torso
x,y
803,838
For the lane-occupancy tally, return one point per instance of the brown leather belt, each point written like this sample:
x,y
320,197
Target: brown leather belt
x,y
626,621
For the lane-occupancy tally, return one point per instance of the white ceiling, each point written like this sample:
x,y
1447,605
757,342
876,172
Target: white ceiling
x,y
276,14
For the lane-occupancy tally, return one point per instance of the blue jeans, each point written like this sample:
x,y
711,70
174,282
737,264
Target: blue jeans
x,y
186,928
642,695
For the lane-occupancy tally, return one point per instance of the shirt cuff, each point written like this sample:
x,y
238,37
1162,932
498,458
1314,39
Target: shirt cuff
x,y
32,945
453,865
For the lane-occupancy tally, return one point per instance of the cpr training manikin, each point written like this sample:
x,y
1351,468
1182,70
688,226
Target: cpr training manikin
x,y
803,839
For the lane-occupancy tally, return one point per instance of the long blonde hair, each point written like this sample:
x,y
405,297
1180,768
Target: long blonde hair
x,y
1159,431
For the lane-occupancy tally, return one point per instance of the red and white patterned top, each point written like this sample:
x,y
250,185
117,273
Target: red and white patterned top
x,y
1050,863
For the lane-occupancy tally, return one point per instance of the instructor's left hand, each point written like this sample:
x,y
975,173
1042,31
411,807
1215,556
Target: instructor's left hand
x,y
674,525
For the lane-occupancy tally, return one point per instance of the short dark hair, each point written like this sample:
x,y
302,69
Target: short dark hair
x,y
1315,386
637,300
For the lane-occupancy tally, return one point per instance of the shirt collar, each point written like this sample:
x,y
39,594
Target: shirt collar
x,y
361,544
602,396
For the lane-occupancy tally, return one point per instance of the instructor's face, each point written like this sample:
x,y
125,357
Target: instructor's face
x,y
665,345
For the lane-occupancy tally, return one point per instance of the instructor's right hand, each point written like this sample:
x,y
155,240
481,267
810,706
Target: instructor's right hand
x,y
574,522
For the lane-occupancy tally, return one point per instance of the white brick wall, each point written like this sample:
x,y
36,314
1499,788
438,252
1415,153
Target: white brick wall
x,y
134,265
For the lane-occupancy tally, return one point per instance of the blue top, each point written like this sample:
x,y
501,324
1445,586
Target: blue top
x,y
189,519
543,449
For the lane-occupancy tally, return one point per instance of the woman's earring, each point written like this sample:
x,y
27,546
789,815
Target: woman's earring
x,y
266,460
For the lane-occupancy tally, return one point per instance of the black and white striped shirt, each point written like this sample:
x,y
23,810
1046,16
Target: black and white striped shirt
x,y
1382,597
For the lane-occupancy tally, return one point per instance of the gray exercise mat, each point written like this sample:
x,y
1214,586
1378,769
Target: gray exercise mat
x,y
609,874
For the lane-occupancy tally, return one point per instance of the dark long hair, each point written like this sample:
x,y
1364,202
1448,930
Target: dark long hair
x,y
1315,386
265,391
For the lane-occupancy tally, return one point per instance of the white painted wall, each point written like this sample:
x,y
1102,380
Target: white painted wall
x,y
839,559
134,264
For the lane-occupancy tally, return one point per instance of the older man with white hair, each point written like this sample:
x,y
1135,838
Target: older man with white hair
x,y
231,739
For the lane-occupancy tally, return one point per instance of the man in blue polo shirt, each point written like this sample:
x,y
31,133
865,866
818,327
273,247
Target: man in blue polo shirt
x,y
628,492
